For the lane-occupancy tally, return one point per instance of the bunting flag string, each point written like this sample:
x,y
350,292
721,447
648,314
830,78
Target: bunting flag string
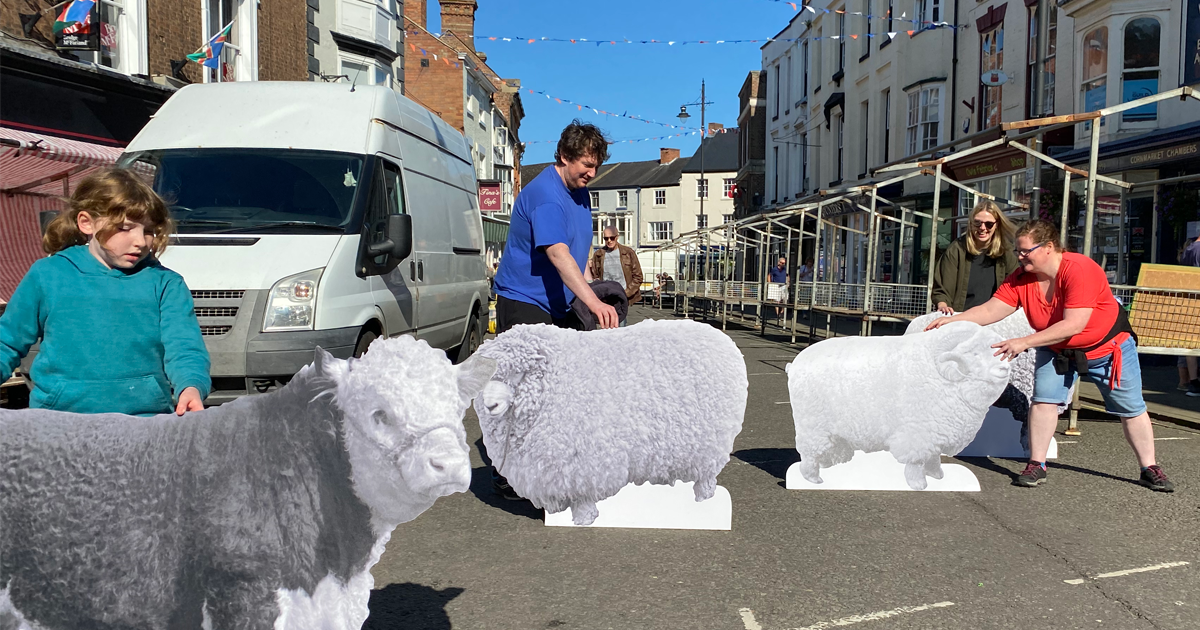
x,y
632,140
426,53
602,112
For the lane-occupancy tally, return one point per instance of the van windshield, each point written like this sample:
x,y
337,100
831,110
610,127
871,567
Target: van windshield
x,y
254,190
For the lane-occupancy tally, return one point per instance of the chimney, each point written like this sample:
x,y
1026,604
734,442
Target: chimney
x,y
415,10
458,17
666,156
714,128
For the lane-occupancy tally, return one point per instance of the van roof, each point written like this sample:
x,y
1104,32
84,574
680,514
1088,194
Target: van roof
x,y
289,115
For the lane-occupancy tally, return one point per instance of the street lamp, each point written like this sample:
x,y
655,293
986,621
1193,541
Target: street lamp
x,y
683,117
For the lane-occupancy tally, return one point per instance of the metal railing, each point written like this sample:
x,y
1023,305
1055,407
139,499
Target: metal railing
x,y
1167,321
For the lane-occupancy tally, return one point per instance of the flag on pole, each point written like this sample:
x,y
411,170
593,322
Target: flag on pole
x,y
210,53
76,17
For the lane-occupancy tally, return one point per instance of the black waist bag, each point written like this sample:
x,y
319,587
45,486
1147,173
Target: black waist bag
x,y
1078,356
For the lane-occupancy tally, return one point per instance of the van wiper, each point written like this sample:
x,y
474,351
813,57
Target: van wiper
x,y
202,222
278,224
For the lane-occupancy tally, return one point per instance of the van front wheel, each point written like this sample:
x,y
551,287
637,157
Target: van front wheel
x,y
364,342
471,341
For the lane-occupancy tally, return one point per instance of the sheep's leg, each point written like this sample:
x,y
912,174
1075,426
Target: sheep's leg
x,y
584,513
810,469
914,474
705,488
933,467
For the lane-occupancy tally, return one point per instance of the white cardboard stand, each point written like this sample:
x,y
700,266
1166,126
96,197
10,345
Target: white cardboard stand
x,y
1000,436
657,507
880,471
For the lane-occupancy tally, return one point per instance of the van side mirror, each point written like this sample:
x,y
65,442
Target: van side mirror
x,y
398,243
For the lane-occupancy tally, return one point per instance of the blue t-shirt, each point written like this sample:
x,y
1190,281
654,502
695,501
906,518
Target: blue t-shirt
x,y
545,213
778,275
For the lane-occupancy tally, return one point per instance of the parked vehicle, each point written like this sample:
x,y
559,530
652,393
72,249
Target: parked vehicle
x,y
314,214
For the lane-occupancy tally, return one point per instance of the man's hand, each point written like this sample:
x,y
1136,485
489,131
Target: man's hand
x,y
945,308
1011,349
606,316
189,400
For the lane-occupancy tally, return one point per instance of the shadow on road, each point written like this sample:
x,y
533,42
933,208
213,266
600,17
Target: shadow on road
x,y
773,461
410,605
988,463
481,487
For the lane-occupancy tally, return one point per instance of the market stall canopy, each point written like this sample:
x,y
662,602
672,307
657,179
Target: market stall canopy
x,y
36,173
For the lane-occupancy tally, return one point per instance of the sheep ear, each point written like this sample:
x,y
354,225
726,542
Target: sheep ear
x,y
953,366
323,361
473,374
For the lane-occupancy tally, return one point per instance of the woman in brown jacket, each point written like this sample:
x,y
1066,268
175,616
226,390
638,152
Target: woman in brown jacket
x,y
976,263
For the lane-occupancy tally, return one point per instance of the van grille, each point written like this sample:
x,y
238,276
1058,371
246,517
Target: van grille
x,y
214,331
214,311
218,295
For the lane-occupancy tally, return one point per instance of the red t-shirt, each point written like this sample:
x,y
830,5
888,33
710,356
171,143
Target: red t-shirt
x,y
1080,283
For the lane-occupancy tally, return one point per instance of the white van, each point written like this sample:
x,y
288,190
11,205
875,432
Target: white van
x,y
315,214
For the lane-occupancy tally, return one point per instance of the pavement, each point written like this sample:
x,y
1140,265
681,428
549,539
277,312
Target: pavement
x,y
1088,549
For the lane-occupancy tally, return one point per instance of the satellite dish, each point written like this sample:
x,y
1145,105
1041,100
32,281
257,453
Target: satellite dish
x,y
993,78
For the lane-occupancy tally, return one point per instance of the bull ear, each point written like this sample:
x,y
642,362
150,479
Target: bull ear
x,y
323,361
473,374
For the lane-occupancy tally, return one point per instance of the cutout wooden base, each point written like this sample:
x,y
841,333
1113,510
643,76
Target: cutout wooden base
x,y
657,507
880,471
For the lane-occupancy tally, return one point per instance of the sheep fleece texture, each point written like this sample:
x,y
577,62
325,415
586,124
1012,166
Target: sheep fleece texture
x,y
570,418
266,513
916,396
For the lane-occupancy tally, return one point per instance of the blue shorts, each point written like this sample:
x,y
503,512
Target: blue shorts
x,y
1124,401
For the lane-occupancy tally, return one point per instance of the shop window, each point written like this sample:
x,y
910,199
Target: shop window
x,y
1139,77
1095,71
122,38
364,71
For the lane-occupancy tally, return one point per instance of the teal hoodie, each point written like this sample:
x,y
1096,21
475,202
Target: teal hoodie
x,y
113,340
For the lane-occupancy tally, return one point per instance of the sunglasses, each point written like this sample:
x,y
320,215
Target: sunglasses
x,y
610,238
1024,253
983,224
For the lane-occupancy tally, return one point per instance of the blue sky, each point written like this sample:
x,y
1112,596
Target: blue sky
x,y
650,81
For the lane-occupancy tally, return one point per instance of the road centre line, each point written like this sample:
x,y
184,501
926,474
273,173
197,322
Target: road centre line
x,y
785,402
883,614
775,373
748,619
1156,567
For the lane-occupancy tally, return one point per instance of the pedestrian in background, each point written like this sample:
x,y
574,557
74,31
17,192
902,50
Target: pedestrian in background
x,y
1189,379
118,330
976,263
779,275
617,263
1079,329
806,270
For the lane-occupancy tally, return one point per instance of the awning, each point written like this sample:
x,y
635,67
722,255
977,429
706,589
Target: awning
x,y
36,173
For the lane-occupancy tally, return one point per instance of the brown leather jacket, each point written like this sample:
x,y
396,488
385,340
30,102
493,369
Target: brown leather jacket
x,y
629,262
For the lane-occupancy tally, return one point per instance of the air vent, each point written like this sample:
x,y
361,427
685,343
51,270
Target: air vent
x,y
214,331
218,295
213,311
222,241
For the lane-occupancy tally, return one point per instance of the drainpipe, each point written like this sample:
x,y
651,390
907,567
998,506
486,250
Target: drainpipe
x,y
953,80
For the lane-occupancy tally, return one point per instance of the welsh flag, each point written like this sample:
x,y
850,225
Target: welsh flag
x,y
76,17
210,53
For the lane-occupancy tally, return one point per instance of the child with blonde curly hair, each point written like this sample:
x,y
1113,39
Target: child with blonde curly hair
x,y
118,330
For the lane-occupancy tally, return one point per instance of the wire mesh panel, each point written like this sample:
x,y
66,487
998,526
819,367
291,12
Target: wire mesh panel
x,y
804,293
741,290
900,300
1162,318
714,289
776,292
846,297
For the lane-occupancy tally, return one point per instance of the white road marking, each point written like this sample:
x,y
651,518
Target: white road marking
x,y
1171,438
785,402
883,614
774,373
748,619
1156,567
1068,441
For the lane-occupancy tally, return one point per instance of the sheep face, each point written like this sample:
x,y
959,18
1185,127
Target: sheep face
x,y
964,357
403,403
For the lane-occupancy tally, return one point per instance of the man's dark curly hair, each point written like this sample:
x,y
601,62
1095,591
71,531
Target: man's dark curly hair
x,y
580,139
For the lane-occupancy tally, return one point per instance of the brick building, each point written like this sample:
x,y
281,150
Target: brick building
x,y
445,73
752,145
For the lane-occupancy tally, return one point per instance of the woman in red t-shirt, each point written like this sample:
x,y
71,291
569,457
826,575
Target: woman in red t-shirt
x,y
1070,307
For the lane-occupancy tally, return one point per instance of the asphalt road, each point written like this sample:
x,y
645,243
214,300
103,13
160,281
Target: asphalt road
x,y
1000,558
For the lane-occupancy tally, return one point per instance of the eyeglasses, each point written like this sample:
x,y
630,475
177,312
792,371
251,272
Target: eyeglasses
x,y
983,224
610,238
1023,253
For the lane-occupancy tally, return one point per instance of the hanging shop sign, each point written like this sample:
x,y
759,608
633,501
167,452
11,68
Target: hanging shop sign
x,y
489,196
993,78
77,26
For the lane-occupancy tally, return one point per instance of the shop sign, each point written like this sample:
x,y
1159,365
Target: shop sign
x,y
489,196
1191,44
990,168
1149,158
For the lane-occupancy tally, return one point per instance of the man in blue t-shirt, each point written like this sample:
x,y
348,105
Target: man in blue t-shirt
x,y
550,239
779,275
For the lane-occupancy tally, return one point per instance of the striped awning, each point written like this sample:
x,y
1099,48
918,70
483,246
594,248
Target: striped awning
x,y
36,173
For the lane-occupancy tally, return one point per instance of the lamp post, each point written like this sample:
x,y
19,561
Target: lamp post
x,y
683,118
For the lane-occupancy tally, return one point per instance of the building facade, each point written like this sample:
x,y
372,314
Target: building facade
x,y
752,148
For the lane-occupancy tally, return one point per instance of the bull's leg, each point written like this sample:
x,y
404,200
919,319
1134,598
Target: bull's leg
x,y
242,605
914,474
584,513
705,488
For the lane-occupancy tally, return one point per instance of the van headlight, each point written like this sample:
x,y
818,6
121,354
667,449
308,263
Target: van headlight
x,y
292,302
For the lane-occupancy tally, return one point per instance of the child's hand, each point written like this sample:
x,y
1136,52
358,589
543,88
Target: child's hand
x,y
189,400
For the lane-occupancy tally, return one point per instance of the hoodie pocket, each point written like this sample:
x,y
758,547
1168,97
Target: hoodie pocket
x,y
139,395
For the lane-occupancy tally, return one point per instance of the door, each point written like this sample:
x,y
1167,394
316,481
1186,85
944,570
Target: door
x,y
441,319
393,291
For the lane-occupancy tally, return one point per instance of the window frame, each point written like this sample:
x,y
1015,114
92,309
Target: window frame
x,y
132,55
917,125
727,185
245,40
1146,115
702,188
622,198
662,230
595,199
660,197
991,58
1090,84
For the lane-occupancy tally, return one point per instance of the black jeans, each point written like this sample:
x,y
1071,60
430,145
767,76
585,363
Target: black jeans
x,y
511,313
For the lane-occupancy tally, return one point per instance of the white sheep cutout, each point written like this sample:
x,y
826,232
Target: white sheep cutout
x,y
915,396
265,513
571,417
